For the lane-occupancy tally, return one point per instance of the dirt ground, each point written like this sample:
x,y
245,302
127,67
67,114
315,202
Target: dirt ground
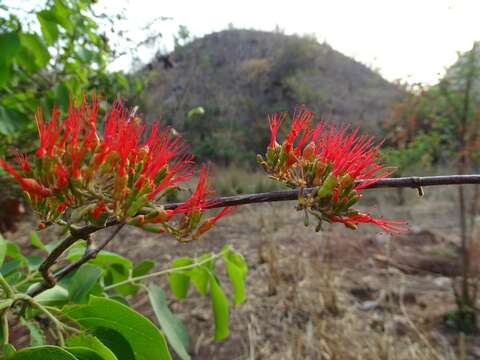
x,y
336,294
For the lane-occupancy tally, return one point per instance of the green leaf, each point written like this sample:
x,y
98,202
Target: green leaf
x,y
199,277
52,245
8,349
4,78
198,111
84,353
115,342
13,251
62,13
93,343
143,268
3,249
237,271
62,96
48,25
6,122
33,261
33,54
179,281
83,282
36,241
220,309
173,328
57,295
145,339
118,273
104,258
37,338
10,267
10,45
43,353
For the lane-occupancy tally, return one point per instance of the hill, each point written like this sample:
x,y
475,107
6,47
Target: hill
x,y
238,76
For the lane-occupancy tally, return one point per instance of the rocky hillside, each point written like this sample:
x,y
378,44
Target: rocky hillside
x,y
238,76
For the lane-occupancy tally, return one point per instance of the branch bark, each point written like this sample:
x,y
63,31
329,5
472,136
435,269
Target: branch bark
x,y
413,182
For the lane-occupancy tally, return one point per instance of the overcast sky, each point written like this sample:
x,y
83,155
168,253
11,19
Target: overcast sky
x,y
412,40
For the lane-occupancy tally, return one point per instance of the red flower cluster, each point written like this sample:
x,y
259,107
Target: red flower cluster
x,y
79,174
330,159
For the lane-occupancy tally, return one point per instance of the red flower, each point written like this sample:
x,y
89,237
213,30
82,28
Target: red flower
x,y
331,158
99,210
390,226
275,121
301,122
48,133
22,161
29,185
209,223
126,171
197,200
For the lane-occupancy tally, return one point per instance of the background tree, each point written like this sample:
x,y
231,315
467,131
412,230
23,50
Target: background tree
x,y
448,115
49,54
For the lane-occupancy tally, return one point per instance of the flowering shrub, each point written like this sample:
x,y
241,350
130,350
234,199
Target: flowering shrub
x,y
86,180
79,175
330,160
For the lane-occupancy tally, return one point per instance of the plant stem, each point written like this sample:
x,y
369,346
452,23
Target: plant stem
x,y
45,268
166,271
7,289
5,328
59,327
413,182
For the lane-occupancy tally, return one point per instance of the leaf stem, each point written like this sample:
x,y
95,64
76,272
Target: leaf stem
x,y
59,326
166,271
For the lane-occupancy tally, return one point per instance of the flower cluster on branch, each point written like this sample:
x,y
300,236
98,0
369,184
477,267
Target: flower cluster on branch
x,y
331,159
123,172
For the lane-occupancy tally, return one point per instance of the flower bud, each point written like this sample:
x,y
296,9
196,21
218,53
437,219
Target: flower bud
x,y
327,186
309,151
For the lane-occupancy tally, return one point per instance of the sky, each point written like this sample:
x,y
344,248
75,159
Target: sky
x,y
410,40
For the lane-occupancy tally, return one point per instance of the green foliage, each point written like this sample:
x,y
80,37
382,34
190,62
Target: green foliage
x,y
66,58
174,329
415,155
93,343
89,313
145,339
441,121
463,319
83,282
219,308
42,353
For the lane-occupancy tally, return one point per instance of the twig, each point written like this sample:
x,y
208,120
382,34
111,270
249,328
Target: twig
x,y
76,234
165,272
90,253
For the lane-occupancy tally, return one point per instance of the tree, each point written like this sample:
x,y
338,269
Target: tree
x,y
449,112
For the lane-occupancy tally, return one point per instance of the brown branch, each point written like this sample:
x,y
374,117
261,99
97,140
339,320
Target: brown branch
x,y
45,267
83,233
90,253
413,182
